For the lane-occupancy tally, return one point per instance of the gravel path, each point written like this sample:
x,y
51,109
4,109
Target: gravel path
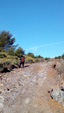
x,y
26,90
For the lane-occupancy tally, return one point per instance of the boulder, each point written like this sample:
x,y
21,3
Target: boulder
x,y
57,93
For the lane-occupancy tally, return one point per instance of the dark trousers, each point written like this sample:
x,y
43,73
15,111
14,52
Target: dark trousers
x,y
22,63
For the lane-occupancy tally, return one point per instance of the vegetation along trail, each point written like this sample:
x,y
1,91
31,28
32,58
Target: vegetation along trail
x,y
25,90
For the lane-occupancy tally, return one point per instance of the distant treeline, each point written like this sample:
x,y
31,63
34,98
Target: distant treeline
x,y
59,57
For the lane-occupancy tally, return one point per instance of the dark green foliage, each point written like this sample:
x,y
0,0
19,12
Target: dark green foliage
x,y
36,60
47,58
30,60
7,65
11,51
63,56
6,40
58,57
38,56
31,55
8,54
1,67
19,52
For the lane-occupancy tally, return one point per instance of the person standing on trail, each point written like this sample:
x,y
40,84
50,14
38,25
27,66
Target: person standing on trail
x,y
22,61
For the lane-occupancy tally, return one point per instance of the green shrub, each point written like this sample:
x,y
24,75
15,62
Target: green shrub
x,y
47,58
38,56
5,65
63,56
19,52
15,61
36,60
31,55
39,59
11,51
7,62
1,67
58,57
12,57
3,55
29,59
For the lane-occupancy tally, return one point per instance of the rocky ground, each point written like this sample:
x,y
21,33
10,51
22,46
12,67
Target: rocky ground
x,y
29,90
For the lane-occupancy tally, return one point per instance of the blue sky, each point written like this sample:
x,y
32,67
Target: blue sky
x,y
37,25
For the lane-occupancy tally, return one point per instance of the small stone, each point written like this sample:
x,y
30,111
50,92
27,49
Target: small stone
x,y
1,85
1,99
27,100
21,84
1,105
8,89
0,92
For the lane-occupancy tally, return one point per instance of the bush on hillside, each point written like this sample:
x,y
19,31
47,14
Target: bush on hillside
x,y
36,60
3,55
58,57
47,59
7,64
63,56
38,56
1,67
29,59
4,65
11,51
15,61
19,52
31,55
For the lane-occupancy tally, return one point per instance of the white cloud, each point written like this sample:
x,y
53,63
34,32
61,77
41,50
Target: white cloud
x,y
36,47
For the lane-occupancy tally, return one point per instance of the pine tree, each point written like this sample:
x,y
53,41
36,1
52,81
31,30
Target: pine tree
x,y
6,41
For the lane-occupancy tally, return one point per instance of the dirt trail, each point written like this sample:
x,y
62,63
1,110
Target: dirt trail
x,y
26,90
